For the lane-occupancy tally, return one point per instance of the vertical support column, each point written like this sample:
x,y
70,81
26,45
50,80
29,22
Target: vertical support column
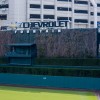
x,y
95,16
68,10
72,14
68,24
41,10
95,12
55,2
27,14
89,14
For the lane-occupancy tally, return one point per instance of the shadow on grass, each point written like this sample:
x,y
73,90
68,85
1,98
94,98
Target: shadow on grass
x,y
41,90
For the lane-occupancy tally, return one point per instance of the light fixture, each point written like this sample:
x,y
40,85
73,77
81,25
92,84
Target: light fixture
x,y
59,30
34,31
15,31
52,30
98,30
46,31
40,30
28,31
21,31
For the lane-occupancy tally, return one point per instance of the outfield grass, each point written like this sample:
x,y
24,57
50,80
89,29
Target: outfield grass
x,y
15,93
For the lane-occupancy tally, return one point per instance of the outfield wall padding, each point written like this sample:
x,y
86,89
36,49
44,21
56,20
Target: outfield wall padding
x,y
59,82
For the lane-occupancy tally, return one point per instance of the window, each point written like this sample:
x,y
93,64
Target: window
x,y
92,22
81,11
3,17
65,0
92,13
98,5
91,4
35,16
4,6
81,2
64,9
35,6
81,21
48,16
49,7
98,14
64,18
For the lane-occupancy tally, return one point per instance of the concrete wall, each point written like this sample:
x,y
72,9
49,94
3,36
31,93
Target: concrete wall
x,y
68,43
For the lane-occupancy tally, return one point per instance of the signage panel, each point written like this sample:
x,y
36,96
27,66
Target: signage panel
x,y
43,24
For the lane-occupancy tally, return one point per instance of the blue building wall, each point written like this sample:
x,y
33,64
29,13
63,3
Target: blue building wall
x,y
51,81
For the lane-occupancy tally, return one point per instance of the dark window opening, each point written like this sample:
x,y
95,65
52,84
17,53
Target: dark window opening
x,y
98,5
81,21
64,18
35,6
65,0
49,17
81,11
92,22
4,6
92,13
64,9
81,2
49,7
3,17
98,14
35,16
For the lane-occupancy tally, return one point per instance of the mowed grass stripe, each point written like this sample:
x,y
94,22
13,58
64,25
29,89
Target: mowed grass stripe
x,y
16,93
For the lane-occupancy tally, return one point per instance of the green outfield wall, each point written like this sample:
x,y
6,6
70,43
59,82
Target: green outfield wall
x,y
43,81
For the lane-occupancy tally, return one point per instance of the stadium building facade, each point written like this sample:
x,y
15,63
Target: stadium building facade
x,y
80,13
